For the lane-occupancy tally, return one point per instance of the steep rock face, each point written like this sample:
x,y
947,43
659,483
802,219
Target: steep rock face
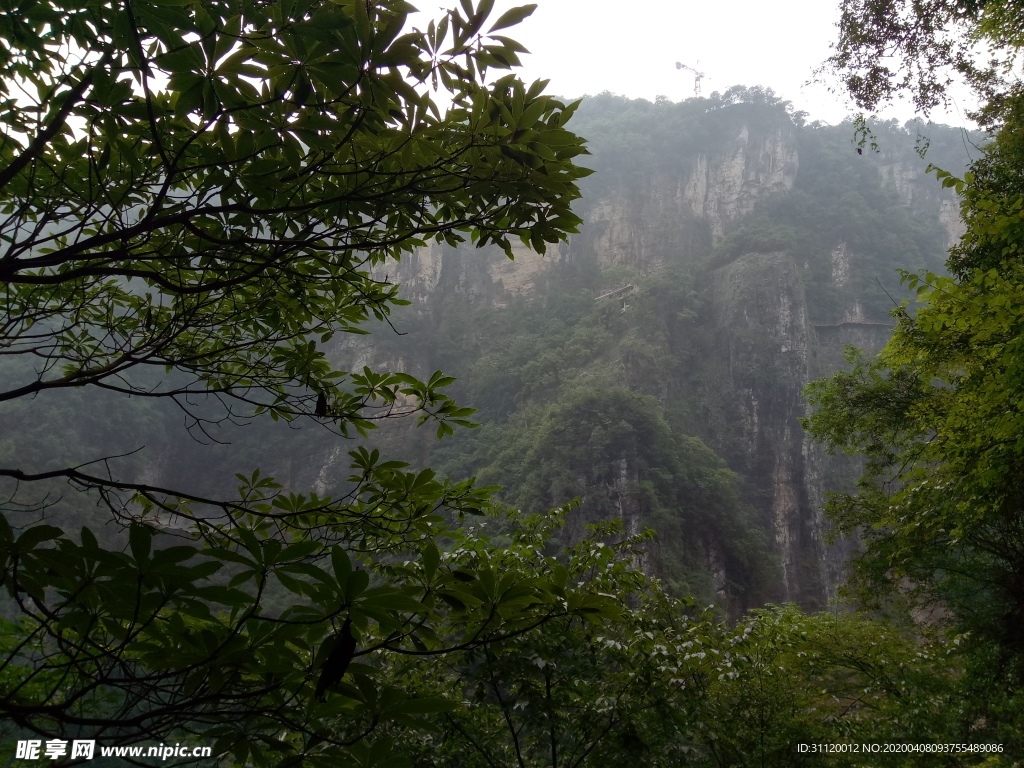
x,y
646,224
762,334
774,320
725,188
768,347
921,194
486,274
642,226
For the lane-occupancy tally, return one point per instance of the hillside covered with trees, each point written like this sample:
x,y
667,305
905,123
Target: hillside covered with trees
x,y
346,423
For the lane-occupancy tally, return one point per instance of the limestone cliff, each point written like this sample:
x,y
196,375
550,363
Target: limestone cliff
x,y
762,332
643,226
792,241
727,186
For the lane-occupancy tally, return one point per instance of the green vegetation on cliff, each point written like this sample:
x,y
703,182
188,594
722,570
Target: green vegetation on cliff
x,y
216,227
642,403
936,414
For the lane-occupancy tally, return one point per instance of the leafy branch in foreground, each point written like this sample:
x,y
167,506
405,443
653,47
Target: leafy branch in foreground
x,y
223,227
892,48
937,417
940,506
193,201
228,642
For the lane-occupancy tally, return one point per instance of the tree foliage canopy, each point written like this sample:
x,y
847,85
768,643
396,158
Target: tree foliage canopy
x,y
888,48
192,201
937,415
204,188
194,197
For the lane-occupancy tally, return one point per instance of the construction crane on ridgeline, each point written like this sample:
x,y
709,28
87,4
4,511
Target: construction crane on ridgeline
x,y
697,76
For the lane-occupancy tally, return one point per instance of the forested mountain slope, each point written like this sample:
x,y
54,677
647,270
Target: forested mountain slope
x,y
654,365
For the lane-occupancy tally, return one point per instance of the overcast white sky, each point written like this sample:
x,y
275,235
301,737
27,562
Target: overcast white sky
x,y
630,47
